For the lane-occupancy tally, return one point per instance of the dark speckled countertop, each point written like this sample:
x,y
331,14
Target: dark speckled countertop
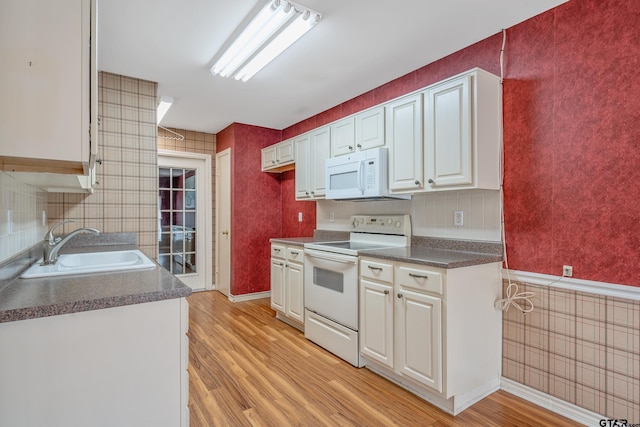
x,y
431,251
22,299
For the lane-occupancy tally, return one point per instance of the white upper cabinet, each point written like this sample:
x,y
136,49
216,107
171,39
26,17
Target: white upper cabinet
x,y
48,107
303,186
370,128
312,151
279,157
320,143
343,137
358,132
462,132
404,138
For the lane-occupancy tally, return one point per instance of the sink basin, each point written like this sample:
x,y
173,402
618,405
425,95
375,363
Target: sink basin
x,y
91,262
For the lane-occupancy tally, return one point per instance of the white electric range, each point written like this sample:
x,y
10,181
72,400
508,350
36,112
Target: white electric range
x,y
331,286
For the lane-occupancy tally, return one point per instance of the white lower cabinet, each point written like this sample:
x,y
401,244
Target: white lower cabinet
x,y
433,331
287,283
122,366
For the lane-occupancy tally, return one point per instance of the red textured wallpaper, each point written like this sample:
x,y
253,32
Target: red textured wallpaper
x,y
255,206
291,227
571,132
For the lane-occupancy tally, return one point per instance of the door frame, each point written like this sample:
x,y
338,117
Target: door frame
x,y
206,200
219,287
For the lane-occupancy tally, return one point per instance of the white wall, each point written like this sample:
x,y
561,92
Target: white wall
x,y
431,214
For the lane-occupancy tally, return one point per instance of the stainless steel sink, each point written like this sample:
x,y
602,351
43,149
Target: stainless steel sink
x,y
91,262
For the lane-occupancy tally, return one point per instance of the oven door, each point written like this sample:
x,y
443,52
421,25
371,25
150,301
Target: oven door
x,y
331,286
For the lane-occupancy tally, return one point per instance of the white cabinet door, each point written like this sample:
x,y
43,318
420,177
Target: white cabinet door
x,y
269,157
295,292
376,321
277,284
303,187
419,341
448,144
343,137
285,151
47,79
320,143
370,128
404,138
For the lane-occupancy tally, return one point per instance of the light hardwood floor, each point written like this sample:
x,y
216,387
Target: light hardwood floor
x,y
249,369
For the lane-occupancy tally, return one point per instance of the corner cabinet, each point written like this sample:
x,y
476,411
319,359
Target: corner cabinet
x,y
312,151
279,157
287,283
433,331
463,134
48,108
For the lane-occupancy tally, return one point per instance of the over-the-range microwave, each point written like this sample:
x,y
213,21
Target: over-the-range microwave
x,y
359,176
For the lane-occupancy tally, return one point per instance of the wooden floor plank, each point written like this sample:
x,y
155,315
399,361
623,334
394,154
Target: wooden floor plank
x,y
249,369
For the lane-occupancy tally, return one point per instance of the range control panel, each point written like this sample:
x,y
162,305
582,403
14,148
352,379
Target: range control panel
x,y
382,224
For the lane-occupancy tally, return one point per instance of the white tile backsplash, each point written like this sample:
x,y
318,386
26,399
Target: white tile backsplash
x,y
431,214
26,204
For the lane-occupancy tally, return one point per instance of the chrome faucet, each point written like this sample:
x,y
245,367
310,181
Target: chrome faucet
x,y
51,245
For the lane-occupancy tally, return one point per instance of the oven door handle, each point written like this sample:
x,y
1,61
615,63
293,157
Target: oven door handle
x,y
346,259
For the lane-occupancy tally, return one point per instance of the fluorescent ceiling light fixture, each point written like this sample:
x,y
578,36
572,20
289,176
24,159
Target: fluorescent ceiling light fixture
x,y
163,107
276,27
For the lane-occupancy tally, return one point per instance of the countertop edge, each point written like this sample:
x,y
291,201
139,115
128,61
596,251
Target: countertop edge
x,y
481,259
26,313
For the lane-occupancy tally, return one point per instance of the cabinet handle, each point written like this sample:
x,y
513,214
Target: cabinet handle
x,y
399,295
419,276
386,292
374,268
225,232
417,182
276,249
273,161
350,147
313,192
294,253
306,192
359,145
431,181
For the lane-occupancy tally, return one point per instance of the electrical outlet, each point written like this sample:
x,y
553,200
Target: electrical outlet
x,y
332,217
567,270
458,218
299,216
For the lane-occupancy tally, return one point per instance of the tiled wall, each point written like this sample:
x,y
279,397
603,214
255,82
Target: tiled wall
x,y
126,198
431,214
579,347
26,204
194,142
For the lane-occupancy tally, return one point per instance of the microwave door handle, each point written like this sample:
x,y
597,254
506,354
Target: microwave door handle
x,y
361,175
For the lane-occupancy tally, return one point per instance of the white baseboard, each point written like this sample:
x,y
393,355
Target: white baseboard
x,y
248,297
551,403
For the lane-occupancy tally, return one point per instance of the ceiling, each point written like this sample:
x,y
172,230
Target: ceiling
x,y
357,46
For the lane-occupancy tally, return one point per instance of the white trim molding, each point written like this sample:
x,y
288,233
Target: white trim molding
x,y
559,406
248,297
569,283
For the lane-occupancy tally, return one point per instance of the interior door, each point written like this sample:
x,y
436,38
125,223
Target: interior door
x,y
184,217
223,221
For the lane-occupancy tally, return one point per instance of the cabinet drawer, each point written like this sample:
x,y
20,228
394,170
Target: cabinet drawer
x,y
425,280
376,270
295,254
277,251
